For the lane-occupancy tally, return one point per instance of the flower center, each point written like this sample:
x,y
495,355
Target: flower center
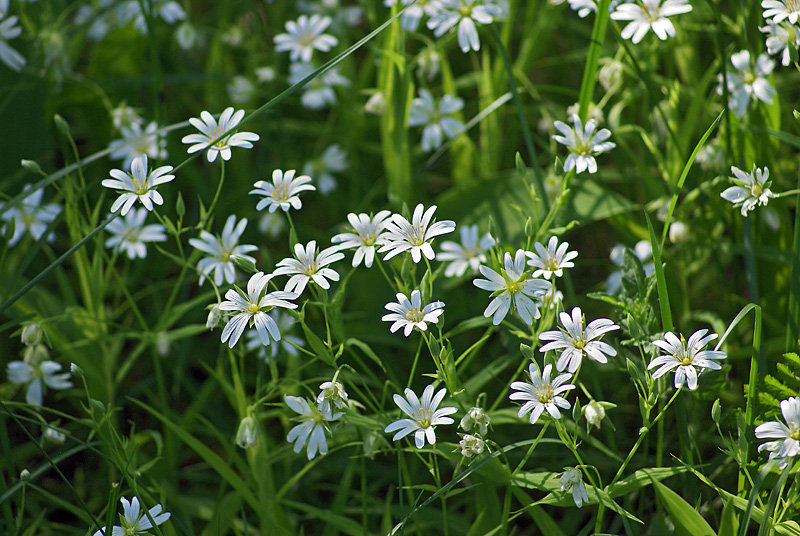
x,y
306,39
252,309
142,145
368,238
795,431
224,255
140,188
414,315
423,417
310,266
545,393
686,360
280,192
551,264
749,78
416,237
579,344
756,190
513,286
792,5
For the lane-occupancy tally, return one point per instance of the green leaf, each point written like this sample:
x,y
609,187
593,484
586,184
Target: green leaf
x,y
686,519
729,524
210,457
643,478
663,295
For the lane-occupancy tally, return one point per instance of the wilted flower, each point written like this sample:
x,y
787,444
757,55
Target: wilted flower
x,y
331,393
595,412
475,418
471,445
573,478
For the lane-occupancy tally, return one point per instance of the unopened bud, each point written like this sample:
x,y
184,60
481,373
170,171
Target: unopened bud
x,y
32,166
247,435
32,334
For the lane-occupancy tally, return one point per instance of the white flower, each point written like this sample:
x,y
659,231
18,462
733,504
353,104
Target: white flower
x,y
9,30
513,286
583,7
751,190
366,234
471,445
211,130
134,521
465,13
424,416
282,193
552,299
573,478
136,142
650,14
436,118
252,308
285,321
787,435
781,39
470,253
333,160
130,233
303,36
583,143
410,314
678,232
35,374
687,357
331,393
551,261
312,426
542,394
412,16
750,80
781,10
221,249
307,265
138,184
30,215
643,251
475,418
415,236
214,316
577,342
169,10
124,116
318,92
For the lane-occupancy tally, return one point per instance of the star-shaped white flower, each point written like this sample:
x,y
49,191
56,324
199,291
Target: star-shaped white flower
x,y
253,308
402,235
749,80
786,436
577,341
410,314
436,118
688,359
30,215
542,394
781,10
136,141
36,375
130,234
333,160
551,261
134,521
307,265
781,39
331,393
465,13
318,92
282,192
649,14
9,30
583,143
304,35
221,249
365,236
470,253
514,287
211,130
751,190
413,14
311,428
425,416
138,184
